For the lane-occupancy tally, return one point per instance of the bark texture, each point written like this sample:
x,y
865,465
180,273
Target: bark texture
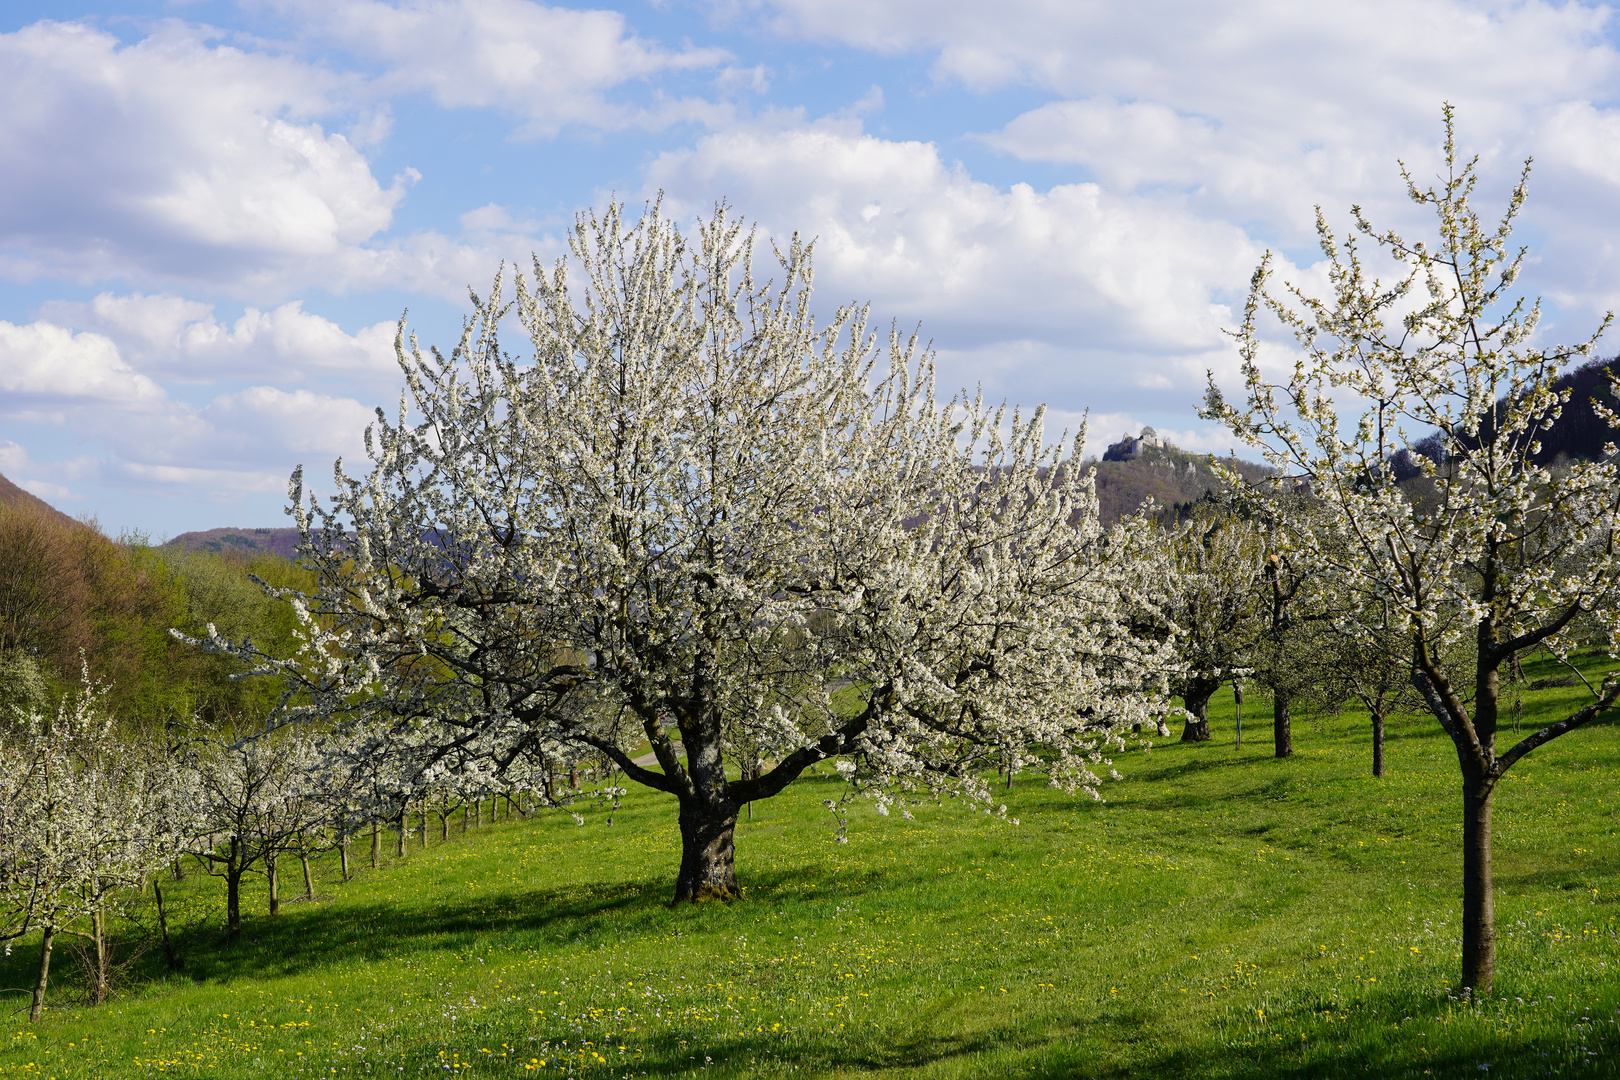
x,y
37,1007
1378,743
708,852
1198,692
1282,723
1479,910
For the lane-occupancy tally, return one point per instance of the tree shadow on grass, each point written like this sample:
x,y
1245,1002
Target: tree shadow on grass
x,y
307,938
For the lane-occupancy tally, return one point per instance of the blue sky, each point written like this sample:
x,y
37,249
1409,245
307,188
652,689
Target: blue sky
x,y
214,212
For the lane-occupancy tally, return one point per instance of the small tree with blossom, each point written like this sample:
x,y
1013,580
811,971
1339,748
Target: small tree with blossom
x,y
1507,552
86,817
252,798
695,510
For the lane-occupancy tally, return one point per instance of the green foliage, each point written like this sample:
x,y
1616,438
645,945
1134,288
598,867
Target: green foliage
x,y
70,596
1223,915
219,589
22,687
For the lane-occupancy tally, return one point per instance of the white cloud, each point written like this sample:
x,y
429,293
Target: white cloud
x,y
1257,111
50,492
193,481
1359,53
172,158
301,422
170,336
46,365
1014,280
132,432
553,66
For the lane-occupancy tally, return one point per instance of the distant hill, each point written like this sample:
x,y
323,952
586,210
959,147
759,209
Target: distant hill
x,y
1579,432
282,542
1146,466
13,496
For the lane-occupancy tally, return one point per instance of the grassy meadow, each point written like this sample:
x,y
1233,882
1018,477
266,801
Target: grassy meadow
x,y
1222,914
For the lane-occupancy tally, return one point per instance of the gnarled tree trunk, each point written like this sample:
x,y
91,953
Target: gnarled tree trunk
x,y
708,851
1198,691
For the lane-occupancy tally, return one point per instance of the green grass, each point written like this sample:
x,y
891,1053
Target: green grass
x,y
1223,914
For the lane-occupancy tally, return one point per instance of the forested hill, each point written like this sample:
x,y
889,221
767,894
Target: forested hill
x,y
1145,466
1579,432
13,496
282,542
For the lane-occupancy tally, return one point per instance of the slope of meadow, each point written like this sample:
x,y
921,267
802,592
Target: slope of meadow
x,y
1223,914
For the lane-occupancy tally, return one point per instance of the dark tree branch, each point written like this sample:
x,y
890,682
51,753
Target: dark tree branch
x,y
1611,694
840,741
655,780
1533,637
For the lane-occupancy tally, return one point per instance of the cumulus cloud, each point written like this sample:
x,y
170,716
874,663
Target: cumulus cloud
x,y
301,422
552,66
43,366
1015,281
167,336
133,432
172,158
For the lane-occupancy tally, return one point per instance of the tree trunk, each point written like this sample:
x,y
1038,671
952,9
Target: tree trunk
x,y
424,823
343,858
466,811
169,955
1282,727
1479,911
309,880
478,811
1237,703
1197,696
233,891
376,844
37,1009
1378,744
708,853
402,828
444,825
233,904
179,871
275,883
102,975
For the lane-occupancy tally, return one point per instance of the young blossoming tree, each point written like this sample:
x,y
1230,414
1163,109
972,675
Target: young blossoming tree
x,y
86,817
1507,553
696,513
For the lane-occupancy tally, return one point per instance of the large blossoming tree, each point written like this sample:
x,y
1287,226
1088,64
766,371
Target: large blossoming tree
x,y
695,514
1506,554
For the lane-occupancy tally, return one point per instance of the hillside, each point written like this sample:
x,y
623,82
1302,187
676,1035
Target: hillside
x,y
13,496
1580,433
1146,466
282,542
